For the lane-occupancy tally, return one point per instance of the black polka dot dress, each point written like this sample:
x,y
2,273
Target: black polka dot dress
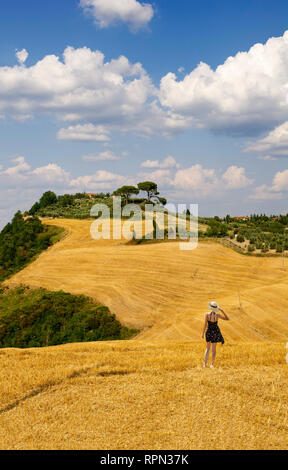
x,y
213,333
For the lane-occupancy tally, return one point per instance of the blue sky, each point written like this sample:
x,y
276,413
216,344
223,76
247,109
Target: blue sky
x,y
94,121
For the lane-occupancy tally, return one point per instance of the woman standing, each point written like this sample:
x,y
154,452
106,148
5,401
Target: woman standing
x,y
213,333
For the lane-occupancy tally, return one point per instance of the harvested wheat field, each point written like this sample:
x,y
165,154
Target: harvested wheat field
x,y
152,392
144,395
164,291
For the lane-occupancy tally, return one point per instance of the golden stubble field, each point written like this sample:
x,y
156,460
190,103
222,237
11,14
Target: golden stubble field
x,y
144,395
152,392
164,291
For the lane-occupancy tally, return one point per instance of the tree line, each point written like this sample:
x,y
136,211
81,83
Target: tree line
x,y
50,199
37,317
149,187
22,239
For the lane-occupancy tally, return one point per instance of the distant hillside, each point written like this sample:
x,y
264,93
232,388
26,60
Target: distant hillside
x,y
68,206
257,234
78,206
23,239
37,317
164,291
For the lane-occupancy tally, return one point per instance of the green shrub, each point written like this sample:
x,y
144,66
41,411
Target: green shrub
x,y
37,317
279,248
240,238
21,240
216,229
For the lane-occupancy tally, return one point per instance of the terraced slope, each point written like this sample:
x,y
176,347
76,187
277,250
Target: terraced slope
x,y
164,291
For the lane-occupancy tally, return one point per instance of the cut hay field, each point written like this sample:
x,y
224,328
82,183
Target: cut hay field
x,y
152,392
164,291
144,395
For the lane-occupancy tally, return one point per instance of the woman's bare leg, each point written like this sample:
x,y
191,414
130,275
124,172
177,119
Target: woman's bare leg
x,y
207,354
213,353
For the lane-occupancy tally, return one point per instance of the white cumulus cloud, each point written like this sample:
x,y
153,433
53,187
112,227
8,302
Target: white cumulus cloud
x,y
168,162
21,175
280,181
51,173
160,176
17,170
84,132
245,95
263,193
108,155
22,56
108,12
275,143
81,87
277,190
101,179
235,178
196,178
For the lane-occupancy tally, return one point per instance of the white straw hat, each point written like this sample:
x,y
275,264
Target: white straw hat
x,y
213,306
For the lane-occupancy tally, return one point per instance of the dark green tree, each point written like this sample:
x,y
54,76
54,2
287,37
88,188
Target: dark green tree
x,y
47,199
216,229
126,192
163,201
34,209
150,188
66,200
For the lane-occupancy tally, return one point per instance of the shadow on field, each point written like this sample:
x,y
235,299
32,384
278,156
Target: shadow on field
x,y
43,389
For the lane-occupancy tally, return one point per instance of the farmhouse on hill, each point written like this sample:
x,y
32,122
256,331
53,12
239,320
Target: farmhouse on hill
x,y
242,217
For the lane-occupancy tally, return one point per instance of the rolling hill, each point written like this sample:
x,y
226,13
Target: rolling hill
x,y
152,392
164,291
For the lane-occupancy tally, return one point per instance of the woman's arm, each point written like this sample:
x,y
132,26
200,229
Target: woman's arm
x,y
225,315
205,325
